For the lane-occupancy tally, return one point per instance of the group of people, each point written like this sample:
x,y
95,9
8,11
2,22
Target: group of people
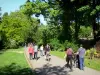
x,y
78,57
33,50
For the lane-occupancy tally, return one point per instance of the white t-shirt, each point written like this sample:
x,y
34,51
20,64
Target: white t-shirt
x,y
35,48
41,48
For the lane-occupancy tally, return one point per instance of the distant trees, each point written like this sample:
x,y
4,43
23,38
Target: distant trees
x,y
66,20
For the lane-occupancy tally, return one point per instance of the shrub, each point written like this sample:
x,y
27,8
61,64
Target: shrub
x,y
87,52
56,45
11,44
91,52
71,44
85,32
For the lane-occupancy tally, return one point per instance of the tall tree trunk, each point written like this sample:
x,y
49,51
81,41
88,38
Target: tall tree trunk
x,y
76,28
94,27
66,26
94,23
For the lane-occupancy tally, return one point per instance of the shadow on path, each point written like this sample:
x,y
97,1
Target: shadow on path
x,y
48,69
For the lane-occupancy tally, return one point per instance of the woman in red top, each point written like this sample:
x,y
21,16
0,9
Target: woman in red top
x,y
31,51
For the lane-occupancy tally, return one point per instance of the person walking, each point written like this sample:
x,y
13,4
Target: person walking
x,y
81,53
35,52
41,50
47,52
30,51
69,53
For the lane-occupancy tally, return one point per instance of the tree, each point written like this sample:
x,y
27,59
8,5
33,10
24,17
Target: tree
x,y
91,10
17,29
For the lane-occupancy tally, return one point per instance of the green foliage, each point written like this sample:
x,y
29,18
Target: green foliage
x,y
38,36
91,50
93,12
85,32
64,23
84,8
50,32
73,45
56,45
98,7
17,28
37,7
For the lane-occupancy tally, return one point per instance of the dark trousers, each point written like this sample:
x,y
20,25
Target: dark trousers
x,y
45,52
35,55
31,56
69,61
76,61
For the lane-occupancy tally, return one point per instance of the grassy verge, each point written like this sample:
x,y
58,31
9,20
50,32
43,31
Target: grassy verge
x,y
57,53
13,62
94,63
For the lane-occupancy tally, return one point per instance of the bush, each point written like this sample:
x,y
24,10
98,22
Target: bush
x,y
71,44
11,44
56,45
91,52
85,32
87,52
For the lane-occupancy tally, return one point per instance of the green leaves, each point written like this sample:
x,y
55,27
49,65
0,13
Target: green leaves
x,y
98,7
93,12
17,28
85,32
37,7
84,8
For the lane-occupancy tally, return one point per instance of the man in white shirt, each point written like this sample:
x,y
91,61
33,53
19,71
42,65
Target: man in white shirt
x,y
35,51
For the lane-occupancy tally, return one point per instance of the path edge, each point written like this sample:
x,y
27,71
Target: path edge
x,y
29,63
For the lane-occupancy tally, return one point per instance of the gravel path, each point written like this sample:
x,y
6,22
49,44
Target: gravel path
x,y
56,66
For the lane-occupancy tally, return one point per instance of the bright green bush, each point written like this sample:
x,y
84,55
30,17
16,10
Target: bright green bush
x,y
87,52
91,50
85,32
71,44
55,44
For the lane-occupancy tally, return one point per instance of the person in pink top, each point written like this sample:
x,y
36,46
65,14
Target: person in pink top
x,y
30,51
69,53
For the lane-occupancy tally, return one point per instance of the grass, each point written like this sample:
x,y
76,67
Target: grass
x,y
57,53
94,63
13,62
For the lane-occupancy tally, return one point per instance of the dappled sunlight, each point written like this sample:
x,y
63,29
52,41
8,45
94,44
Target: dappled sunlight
x,y
48,69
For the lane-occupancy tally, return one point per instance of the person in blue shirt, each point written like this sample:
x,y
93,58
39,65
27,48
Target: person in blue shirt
x,y
81,53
